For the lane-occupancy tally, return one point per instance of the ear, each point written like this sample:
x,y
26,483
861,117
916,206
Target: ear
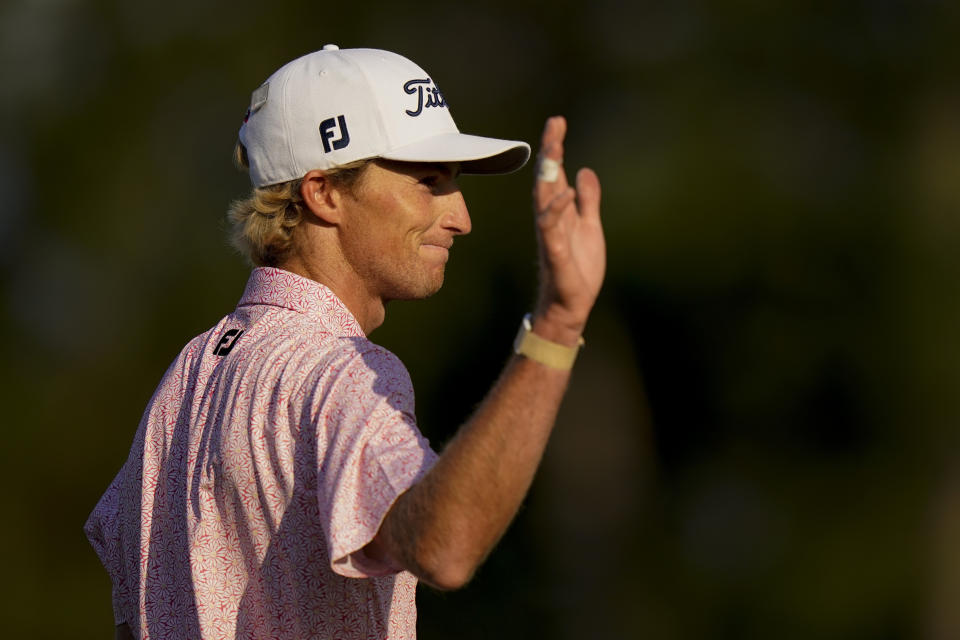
x,y
321,197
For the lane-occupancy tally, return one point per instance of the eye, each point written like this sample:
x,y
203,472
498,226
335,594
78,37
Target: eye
x,y
431,181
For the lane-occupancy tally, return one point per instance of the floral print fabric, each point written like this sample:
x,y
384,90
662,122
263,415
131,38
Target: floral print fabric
x,y
264,463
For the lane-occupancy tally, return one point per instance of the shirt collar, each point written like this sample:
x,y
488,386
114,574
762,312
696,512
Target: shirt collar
x,y
268,285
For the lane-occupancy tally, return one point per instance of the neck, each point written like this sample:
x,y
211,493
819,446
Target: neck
x,y
366,308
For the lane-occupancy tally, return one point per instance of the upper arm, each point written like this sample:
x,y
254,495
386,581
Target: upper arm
x,y
372,453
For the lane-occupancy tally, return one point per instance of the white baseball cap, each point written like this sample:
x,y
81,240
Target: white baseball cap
x,y
333,106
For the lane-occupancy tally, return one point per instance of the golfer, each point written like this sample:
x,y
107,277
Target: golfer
x,y
278,485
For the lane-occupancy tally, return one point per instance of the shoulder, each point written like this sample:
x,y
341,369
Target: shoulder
x,y
361,379
365,360
188,359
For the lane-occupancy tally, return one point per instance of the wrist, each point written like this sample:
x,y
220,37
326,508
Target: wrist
x,y
557,327
545,351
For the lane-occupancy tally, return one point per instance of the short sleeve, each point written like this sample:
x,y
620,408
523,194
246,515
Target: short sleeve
x,y
103,531
374,452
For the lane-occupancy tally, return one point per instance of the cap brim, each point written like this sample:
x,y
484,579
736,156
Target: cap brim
x,y
476,154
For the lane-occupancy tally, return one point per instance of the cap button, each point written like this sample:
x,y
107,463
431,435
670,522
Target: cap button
x,y
330,47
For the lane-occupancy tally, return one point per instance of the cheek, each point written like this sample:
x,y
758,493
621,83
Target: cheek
x,y
375,241
389,226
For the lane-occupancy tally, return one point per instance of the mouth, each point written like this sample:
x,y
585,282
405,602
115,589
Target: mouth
x,y
438,250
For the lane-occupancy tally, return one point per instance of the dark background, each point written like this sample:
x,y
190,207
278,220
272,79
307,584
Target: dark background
x,y
760,440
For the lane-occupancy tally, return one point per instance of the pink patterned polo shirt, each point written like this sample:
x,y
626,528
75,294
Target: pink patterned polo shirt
x,y
264,463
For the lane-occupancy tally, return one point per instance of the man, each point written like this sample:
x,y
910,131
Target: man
x,y
278,486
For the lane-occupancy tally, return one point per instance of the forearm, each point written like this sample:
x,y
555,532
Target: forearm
x,y
445,525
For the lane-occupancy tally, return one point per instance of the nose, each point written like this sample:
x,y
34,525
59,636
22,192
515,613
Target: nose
x,y
457,218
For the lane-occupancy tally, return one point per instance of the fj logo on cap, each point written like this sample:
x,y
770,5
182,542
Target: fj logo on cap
x,y
328,130
416,87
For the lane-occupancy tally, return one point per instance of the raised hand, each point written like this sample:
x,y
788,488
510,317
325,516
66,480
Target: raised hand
x,y
573,255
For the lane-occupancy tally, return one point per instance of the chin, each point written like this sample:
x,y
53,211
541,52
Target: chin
x,y
429,290
418,290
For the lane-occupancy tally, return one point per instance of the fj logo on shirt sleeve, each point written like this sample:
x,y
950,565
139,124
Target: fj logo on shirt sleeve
x,y
328,130
227,342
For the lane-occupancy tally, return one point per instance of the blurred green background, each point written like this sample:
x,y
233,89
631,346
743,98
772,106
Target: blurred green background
x,y
760,440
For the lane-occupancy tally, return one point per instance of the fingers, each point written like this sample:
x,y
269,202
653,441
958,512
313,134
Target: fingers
x,y
550,158
588,194
551,141
551,178
548,169
549,215
552,194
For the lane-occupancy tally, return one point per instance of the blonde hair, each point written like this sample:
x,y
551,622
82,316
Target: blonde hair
x,y
262,225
